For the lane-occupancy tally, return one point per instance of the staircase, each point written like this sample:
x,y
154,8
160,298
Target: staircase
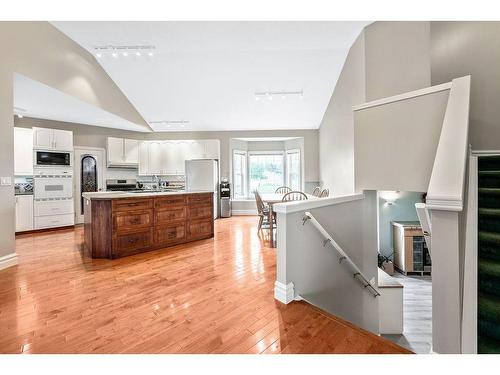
x,y
489,255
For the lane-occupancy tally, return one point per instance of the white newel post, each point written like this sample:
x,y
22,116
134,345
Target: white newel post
x,y
446,303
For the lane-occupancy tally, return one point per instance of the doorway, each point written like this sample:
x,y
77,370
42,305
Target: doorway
x,y
89,175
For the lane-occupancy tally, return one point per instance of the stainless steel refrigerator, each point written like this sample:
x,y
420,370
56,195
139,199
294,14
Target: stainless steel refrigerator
x,y
203,175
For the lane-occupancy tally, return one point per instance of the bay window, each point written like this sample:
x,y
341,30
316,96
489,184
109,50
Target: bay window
x,y
239,174
266,171
293,178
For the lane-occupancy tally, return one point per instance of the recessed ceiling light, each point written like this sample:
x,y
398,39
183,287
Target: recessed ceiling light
x,y
150,54
114,54
98,55
125,53
138,54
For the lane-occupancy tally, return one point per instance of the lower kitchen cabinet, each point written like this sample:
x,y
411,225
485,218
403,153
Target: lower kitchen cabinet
x,y
24,213
124,226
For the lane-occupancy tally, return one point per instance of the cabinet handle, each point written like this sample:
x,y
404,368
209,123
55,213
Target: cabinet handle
x,y
133,240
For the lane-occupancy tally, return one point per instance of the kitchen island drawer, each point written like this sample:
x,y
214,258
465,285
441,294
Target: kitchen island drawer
x,y
130,243
120,205
132,220
198,229
168,234
200,212
169,201
201,199
165,216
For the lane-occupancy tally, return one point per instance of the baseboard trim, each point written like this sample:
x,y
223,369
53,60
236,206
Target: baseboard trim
x,y
244,212
8,260
284,293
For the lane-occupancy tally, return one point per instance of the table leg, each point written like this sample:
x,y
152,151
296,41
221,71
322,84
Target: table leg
x,y
271,232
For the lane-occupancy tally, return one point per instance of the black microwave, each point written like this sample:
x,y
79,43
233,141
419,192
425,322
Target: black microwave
x,y
53,158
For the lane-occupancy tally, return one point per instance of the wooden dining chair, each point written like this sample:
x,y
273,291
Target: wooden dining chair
x,y
294,196
282,190
317,191
262,211
324,193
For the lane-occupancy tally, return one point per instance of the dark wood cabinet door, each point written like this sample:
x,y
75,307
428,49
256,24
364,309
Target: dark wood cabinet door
x,y
165,216
124,221
131,243
200,212
198,229
203,198
170,234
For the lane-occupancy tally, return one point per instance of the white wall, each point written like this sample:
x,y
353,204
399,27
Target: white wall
x,y
395,143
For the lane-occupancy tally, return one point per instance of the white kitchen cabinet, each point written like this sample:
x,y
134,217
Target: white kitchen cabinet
x,y
168,157
155,158
52,139
24,213
23,152
144,158
131,151
122,152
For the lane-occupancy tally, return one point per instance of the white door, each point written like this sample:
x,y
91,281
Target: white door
x,y
80,154
131,151
115,150
24,213
63,140
23,152
43,139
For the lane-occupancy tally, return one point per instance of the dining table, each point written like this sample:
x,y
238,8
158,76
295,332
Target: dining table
x,y
270,199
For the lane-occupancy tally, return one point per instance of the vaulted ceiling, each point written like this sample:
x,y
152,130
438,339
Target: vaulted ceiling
x,y
203,76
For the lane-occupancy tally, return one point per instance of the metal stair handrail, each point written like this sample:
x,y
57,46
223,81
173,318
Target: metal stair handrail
x,y
343,257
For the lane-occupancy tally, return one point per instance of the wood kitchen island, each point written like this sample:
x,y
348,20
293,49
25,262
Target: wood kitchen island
x,y
119,224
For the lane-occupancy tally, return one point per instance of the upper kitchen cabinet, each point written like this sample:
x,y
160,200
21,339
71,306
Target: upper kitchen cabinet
x,y
123,152
52,139
168,157
23,152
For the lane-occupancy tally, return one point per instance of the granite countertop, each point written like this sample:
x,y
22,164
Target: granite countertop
x,y
103,195
407,223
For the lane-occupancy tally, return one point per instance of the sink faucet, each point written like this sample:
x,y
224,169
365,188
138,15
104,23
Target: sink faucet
x,y
156,178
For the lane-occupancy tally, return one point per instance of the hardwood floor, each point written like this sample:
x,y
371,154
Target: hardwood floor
x,y
210,296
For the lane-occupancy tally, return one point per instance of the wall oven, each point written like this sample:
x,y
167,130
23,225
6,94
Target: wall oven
x,y
50,183
52,158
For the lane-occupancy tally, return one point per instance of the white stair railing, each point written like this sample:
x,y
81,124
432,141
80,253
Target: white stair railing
x,y
343,257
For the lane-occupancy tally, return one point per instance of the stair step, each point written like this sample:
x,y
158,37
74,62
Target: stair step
x,y
489,277
489,308
489,163
489,212
489,268
490,237
489,329
489,173
486,345
489,191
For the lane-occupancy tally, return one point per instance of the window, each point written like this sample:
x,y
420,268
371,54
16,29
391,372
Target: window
x,y
266,171
239,174
293,170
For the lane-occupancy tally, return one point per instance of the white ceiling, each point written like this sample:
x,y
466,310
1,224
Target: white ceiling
x,y
206,73
34,99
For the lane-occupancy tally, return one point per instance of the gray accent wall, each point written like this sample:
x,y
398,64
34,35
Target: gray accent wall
x,y
471,48
336,133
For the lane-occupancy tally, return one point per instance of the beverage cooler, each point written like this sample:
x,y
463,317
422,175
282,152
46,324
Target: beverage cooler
x,y
225,199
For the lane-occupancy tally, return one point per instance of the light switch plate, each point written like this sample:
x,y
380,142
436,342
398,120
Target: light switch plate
x,y
6,181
